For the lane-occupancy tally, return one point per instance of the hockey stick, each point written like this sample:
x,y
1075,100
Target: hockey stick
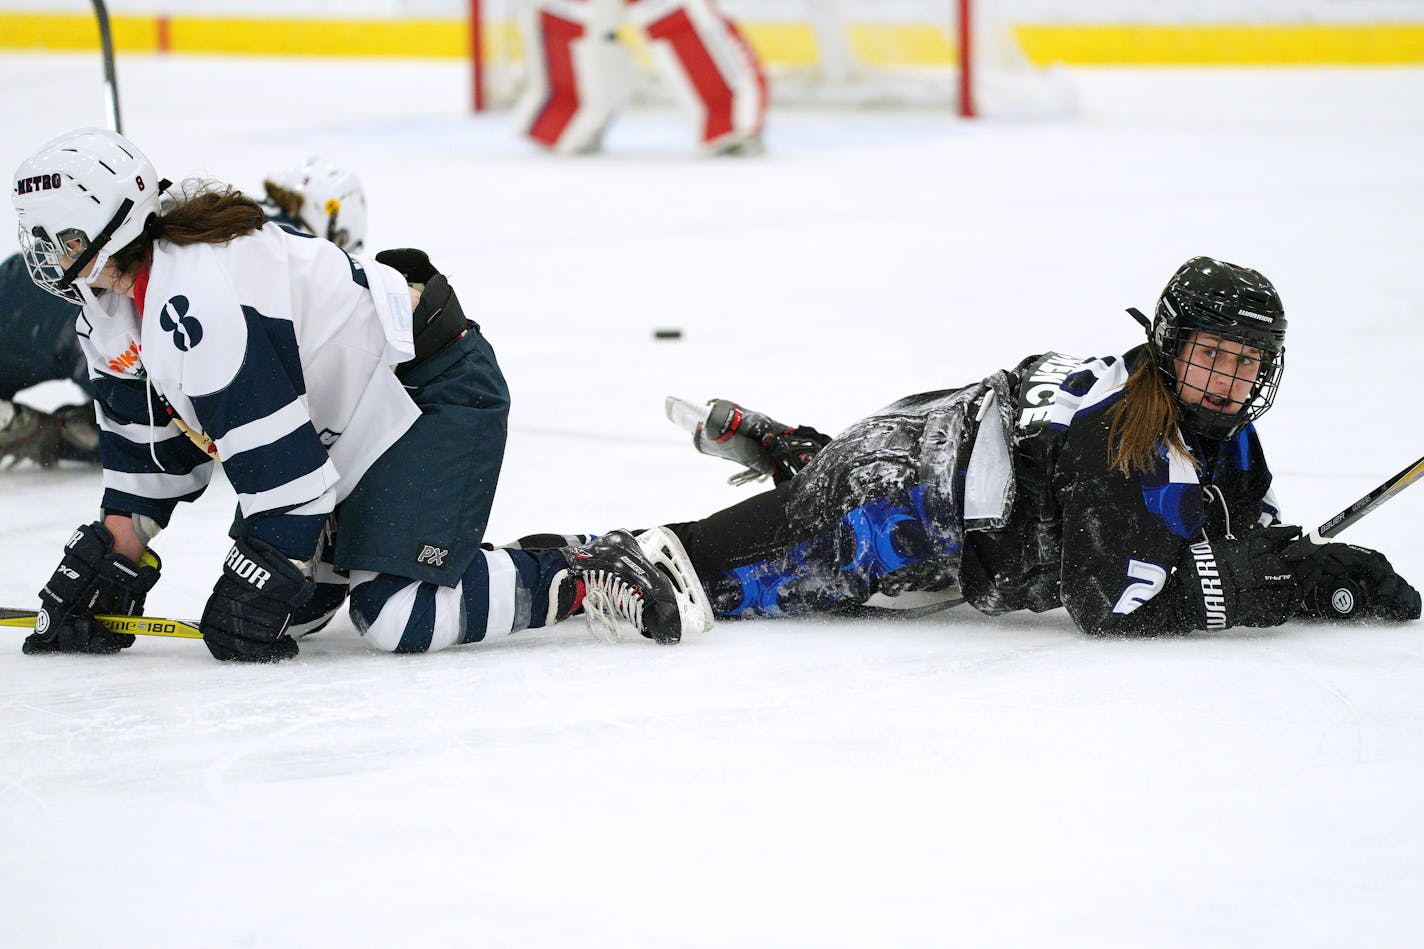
x,y
134,625
111,82
1351,514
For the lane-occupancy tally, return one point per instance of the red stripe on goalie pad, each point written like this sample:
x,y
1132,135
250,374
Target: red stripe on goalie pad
x,y
563,102
677,29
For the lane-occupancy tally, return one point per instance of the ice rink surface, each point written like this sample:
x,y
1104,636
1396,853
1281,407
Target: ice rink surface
x,y
957,780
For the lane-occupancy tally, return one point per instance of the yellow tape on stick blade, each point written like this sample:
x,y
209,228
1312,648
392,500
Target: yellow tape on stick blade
x,y
133,625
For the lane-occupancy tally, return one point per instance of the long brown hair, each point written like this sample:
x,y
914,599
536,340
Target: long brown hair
x,y
1143,420
205,212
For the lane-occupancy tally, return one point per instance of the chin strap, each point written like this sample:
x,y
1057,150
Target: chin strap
x,y
97,244
1137,315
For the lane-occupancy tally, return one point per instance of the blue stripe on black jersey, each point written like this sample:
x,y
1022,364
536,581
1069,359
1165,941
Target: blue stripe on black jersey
x,y
1233,454
1178,504
269,379
1095,407
1243,447
1080,382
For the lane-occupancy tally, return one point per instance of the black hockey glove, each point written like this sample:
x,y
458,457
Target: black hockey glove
x,y
247,616
1356,583
438,319
1244,581
91,579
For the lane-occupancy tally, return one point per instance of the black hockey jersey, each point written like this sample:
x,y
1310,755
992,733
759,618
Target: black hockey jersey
x,y
1109,547
1009,484
37,341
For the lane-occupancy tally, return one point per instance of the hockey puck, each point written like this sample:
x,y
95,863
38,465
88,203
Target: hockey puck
x,y
667,333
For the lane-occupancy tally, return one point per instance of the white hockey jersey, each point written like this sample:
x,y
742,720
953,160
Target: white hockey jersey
x,y
277,345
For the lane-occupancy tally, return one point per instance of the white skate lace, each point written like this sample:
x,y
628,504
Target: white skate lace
x,y
606,599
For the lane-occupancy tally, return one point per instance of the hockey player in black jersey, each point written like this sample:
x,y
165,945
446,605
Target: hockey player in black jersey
x,y
37,344
1130,489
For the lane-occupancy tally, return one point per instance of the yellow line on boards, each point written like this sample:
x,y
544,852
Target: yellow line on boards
x,y
781,44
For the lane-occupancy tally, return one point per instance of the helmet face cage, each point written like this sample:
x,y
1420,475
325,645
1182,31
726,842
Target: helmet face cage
x,y
1240,331
1213,362
42,255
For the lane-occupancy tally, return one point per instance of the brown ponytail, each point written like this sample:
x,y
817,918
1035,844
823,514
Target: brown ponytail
x,y
206,212
1145,418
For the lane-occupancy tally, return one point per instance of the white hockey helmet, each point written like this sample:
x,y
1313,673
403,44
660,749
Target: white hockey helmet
x,y
324,199
82,197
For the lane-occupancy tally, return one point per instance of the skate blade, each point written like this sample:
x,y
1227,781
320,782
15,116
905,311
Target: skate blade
x,y
664,549
686,415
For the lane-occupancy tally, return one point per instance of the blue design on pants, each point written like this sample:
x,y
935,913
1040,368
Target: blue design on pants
x,y
844,563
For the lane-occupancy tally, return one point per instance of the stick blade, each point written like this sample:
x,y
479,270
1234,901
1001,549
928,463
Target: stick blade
x,y
133,625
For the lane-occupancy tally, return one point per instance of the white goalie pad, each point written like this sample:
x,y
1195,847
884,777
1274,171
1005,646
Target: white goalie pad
x,y
715,70
578,73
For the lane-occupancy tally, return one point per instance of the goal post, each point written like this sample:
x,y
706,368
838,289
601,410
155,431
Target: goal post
x,y
949,54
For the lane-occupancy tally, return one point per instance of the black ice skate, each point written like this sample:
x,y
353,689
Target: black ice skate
x,y
27,434
761,444
647,582
68,434
78,433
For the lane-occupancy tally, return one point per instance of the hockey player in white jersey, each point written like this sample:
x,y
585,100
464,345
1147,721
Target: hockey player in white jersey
x,y
37,340
579,72
360,417
319,197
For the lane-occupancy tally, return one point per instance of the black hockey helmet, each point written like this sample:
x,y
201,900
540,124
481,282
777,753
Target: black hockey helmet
x,y
1232,303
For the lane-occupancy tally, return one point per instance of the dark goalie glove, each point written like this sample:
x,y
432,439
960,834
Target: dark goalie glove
x,y
91,580
251,606
1245,581
1356,583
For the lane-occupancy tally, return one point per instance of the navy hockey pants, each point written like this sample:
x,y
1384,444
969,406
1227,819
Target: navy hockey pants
x,y
407,539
